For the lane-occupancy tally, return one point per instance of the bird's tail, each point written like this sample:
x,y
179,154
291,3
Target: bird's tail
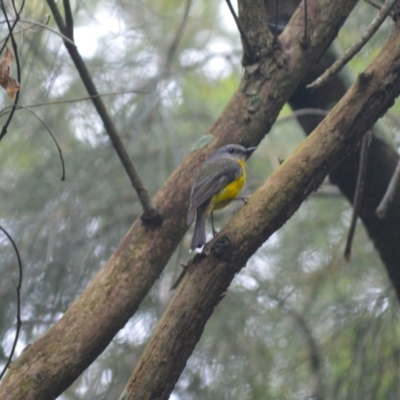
x,y
199,235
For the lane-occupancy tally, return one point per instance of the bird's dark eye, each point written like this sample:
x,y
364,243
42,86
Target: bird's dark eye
x,y
231,150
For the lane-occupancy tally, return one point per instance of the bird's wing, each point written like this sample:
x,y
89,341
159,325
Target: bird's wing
x,y
214,177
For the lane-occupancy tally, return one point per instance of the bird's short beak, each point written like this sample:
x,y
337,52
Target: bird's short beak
x,y
249,151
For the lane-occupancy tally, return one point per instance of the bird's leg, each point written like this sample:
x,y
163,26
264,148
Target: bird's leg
x,y
212,224
244,199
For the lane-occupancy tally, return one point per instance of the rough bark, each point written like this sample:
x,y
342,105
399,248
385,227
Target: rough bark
x,y
211,272
48,366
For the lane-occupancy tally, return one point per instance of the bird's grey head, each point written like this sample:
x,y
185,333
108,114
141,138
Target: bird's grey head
x,y
234,151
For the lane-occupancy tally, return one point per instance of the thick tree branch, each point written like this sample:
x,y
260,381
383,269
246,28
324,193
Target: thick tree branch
x,y
256,37
57,359
150,214
267,210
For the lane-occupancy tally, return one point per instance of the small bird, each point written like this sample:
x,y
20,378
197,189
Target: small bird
x,y
219,181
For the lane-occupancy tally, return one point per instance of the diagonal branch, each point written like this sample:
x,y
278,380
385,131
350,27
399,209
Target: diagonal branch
x,y
209,276
150,214
41,25
69,21
356,47
257,38
16,55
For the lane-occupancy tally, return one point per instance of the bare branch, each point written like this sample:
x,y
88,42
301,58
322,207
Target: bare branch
x,y
174,45
16,55
27,108
8,109
55,102
69,21
18,290
241,31
303,112
150,214
362,170
374,4
357,46
390,193
14,23
44,26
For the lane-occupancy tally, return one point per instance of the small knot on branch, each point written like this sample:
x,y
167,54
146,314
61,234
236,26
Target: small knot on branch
x,y
151,218
223,248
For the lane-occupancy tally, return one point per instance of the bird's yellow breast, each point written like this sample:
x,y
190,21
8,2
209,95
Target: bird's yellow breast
x,y
229,192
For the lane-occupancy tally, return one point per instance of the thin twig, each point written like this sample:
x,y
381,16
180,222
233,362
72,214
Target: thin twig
x,y
181,275
175,43
304,112
390,193
69,21
242,32
14,23
13,6
56,102
362,169
18,290
356,47
374,4
16,55
150,214
44,26
19,107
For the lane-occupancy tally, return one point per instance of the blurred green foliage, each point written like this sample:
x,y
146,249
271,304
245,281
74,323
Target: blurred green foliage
x,y
297,322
